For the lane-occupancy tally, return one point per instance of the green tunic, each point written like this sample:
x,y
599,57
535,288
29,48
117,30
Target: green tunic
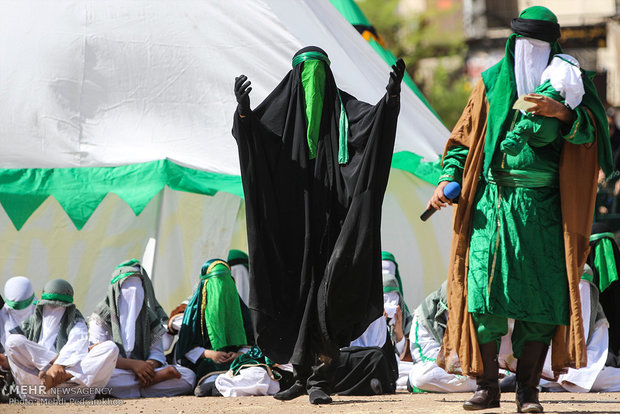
x,y
516,255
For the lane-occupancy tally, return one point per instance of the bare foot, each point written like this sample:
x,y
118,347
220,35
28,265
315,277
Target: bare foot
x,y
4,362
166,373
49,382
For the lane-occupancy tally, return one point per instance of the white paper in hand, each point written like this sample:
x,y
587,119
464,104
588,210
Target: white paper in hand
x,y
522,104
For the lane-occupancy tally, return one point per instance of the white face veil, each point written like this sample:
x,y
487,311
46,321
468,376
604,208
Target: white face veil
x,y
130,304
531,59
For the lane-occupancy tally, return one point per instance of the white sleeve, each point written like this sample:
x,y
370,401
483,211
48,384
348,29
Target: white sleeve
x,y
194,354
400,345
157,352
97,333
177,321
76,347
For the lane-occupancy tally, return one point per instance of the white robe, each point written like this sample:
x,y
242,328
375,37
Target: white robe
x,y
91,370
424,372
124,383
595,376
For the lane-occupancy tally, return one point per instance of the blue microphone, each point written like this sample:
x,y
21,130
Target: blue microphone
x,y
451,191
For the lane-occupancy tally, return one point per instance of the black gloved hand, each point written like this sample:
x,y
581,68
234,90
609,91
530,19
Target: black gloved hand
x,y
242,93
396,76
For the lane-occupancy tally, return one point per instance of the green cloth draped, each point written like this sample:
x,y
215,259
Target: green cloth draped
x,y
254,358
212,318
313,82
605,263
151,319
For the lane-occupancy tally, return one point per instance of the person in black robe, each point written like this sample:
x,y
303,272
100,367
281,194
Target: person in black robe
x,y
314,165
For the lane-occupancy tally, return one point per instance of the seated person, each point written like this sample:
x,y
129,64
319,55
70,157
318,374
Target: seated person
x,y
595,377
604,259
398,316
51,348
395,307
18,306
131,317
428,327
250,374
368,366
212,333
561,80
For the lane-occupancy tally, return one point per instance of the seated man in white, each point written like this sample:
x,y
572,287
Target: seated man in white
x,y
595,377
18,305
428,327
50,350
132,318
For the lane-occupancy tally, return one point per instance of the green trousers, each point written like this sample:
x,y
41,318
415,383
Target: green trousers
x,y
491,328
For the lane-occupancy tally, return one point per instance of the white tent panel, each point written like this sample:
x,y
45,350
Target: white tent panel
x,y
109,83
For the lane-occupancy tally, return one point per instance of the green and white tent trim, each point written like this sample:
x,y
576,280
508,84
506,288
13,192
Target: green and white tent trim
x,y
115,128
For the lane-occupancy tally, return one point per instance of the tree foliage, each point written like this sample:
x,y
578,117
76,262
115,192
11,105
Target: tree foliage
x,y
424,42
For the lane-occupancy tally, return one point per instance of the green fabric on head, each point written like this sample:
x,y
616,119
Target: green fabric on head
x,y
236,257
313,82
605,263
57,296
128,263
212,318
310,55
539,13
20,304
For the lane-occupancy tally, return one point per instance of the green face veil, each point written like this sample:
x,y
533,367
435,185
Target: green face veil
x,y
313,83
213,318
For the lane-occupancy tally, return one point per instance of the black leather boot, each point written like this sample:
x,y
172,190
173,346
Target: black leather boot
x,y
529,368
488,393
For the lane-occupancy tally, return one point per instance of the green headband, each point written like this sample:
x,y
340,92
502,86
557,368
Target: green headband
x,y
598,236
123,276
20,304
302,57
57,296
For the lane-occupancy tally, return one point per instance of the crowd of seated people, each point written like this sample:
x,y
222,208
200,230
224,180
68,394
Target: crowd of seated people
x,y
130,348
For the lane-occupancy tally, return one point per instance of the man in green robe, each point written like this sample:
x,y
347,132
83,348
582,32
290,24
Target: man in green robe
x,y
514,254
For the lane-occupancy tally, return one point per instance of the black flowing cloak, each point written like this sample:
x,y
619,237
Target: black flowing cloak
x,y
313,225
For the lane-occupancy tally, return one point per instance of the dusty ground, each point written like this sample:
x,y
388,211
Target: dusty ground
x,y
401,402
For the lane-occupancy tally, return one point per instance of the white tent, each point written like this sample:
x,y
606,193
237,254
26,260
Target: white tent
x,y
115,122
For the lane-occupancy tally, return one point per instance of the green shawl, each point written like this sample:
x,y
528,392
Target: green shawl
x,y
212,319
151,319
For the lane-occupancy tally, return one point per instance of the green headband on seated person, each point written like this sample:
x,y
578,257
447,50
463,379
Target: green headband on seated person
x,y
57,296
19,304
